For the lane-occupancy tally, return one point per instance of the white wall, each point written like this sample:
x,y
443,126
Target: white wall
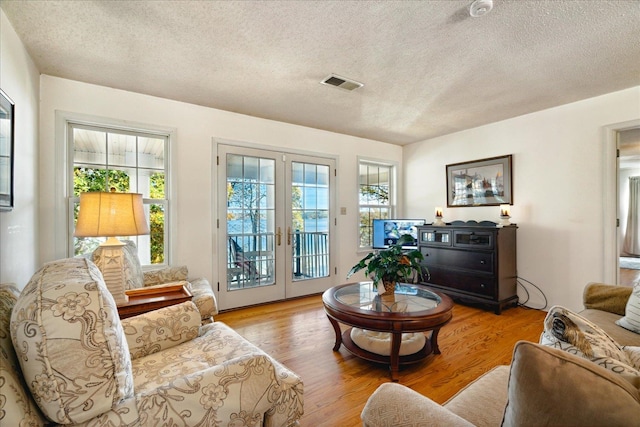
x,y
558,170
195,127
19,79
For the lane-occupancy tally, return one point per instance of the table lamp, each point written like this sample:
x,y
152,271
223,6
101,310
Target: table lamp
x,y
110,215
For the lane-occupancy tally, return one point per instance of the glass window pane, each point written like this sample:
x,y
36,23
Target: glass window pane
x,y
322,200
89,146
383,176
267,171
156,186
234,167
323,175
121,149
251,170
87,179
374,197
269,197
309,174
123,180
150,153
363,174
297,173
323,220
157,231
309,198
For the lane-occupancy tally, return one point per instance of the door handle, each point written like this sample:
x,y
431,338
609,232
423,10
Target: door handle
x,y
279,237
289,236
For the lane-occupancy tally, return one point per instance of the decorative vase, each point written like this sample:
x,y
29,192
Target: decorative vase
x,y
389,287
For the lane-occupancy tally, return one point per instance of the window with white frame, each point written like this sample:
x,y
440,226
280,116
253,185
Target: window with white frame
x,y
375,195
106,159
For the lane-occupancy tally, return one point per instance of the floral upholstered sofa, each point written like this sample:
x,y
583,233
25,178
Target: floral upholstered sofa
x,y
68,359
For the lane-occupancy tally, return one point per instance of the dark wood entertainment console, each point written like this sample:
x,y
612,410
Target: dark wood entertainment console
x,y
471,260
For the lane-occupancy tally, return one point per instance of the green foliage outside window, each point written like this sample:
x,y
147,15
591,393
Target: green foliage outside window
x,y
156,219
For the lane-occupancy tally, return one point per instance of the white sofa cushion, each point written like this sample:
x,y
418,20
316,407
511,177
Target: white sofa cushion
x,y
631,319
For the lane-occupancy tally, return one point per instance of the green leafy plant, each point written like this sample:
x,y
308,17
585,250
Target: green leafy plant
x,y
391,265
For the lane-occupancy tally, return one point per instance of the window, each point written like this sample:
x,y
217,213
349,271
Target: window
x,y
376,185
127,161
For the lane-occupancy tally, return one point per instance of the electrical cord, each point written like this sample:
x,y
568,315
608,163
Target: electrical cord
x,y
524,304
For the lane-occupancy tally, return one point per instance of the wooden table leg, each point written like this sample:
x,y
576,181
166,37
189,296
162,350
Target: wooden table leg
x,y
434,341
396,340
336,329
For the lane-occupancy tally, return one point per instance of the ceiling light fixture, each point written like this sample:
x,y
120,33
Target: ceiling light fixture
x,y
480,7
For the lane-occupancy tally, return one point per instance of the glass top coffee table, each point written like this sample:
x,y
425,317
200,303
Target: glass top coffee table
x,y
412,308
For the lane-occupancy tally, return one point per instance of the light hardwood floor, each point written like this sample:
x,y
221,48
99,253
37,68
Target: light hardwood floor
x,y
629,277
337,384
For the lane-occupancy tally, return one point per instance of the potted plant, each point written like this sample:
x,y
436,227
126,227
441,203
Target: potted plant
x,y
391,265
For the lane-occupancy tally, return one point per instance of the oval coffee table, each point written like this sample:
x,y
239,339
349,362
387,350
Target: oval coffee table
x,y
412,308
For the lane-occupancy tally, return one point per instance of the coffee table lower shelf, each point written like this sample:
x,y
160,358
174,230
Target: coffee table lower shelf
x,y
416,357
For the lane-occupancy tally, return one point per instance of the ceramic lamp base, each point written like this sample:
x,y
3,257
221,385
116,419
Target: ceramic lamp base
x,y
113,272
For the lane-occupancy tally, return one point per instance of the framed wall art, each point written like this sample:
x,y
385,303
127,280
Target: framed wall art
x,y
484,182
7,126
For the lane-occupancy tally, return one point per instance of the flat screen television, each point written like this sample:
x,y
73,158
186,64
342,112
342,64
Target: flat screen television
x,y
387,231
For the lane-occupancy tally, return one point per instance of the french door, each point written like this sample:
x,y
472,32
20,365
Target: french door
x,y
276,220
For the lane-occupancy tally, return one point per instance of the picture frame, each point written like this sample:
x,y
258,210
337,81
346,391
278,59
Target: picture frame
x,y
484,182
7,147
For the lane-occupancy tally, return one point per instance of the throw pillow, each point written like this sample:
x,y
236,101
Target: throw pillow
x,y
631,319
161,329
570,332
633,354
552,387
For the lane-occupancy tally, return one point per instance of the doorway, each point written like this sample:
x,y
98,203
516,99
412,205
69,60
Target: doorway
x,y
611,249
276,225
628,167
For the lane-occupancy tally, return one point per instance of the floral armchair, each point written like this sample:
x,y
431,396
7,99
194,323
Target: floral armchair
x,y
80,365
136,278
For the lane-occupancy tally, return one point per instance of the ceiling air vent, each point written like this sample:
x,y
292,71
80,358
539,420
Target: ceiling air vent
x,y
341,82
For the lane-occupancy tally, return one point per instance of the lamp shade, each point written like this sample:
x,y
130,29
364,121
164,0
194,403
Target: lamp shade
x,y
111,214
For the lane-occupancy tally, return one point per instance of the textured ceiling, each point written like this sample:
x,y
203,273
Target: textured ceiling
x,y
428,67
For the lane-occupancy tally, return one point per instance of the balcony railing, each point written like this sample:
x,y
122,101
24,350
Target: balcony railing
x,y
251,259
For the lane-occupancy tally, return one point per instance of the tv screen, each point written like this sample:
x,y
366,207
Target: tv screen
x,y
387,231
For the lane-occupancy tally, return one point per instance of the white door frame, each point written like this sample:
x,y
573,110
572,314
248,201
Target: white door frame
x,y
292,290
610,198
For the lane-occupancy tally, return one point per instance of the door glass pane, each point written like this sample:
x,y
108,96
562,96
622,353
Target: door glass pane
x,y
310,221
250,222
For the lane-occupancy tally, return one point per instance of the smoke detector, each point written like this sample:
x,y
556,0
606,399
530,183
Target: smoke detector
x,y
341,82
480,7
